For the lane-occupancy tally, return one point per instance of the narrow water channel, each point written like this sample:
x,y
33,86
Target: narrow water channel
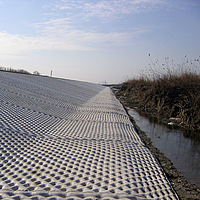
x,y
183,152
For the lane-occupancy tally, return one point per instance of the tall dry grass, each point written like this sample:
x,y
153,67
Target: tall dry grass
x,y
168,92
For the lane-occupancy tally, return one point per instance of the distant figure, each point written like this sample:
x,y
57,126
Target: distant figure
x,y
51,74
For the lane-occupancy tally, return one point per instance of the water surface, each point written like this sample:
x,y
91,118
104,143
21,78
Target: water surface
x,y
183,152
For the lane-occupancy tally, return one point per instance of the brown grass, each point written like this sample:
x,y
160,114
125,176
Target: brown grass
x,y
172,94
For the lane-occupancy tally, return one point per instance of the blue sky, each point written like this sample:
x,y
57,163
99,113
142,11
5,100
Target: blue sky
x,y
97,41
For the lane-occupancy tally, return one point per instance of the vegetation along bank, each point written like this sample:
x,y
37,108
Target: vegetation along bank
x,y
172,98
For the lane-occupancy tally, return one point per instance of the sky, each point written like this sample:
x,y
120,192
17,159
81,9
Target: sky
x,y
97,40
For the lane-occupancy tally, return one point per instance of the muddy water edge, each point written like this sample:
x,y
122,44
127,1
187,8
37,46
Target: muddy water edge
x,y
183,187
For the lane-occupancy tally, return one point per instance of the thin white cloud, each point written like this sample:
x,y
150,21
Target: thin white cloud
x,y
60,37
116,9
61,30
17,44
65,25
108,10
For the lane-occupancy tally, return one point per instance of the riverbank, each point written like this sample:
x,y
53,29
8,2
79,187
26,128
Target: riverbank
x,y
183,188
172,99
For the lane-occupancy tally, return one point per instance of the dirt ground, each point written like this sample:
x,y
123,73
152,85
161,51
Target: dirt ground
x,y
183,188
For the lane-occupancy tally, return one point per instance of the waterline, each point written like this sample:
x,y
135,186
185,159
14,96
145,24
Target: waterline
x,y
183,152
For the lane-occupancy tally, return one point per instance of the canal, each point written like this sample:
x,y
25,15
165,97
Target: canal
x,y
183,152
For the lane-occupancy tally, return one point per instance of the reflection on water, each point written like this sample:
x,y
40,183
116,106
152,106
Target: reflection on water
x,y
183,152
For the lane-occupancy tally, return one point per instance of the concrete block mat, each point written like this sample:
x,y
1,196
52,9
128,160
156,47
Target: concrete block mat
x,y
64,139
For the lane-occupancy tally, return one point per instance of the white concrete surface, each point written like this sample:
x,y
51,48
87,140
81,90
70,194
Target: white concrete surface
x,y
63,139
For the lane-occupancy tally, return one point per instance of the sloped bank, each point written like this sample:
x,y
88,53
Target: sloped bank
x,y
183,188
64,139
170,99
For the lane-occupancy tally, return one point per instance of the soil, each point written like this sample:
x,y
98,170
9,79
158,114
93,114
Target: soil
x,y
182,187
